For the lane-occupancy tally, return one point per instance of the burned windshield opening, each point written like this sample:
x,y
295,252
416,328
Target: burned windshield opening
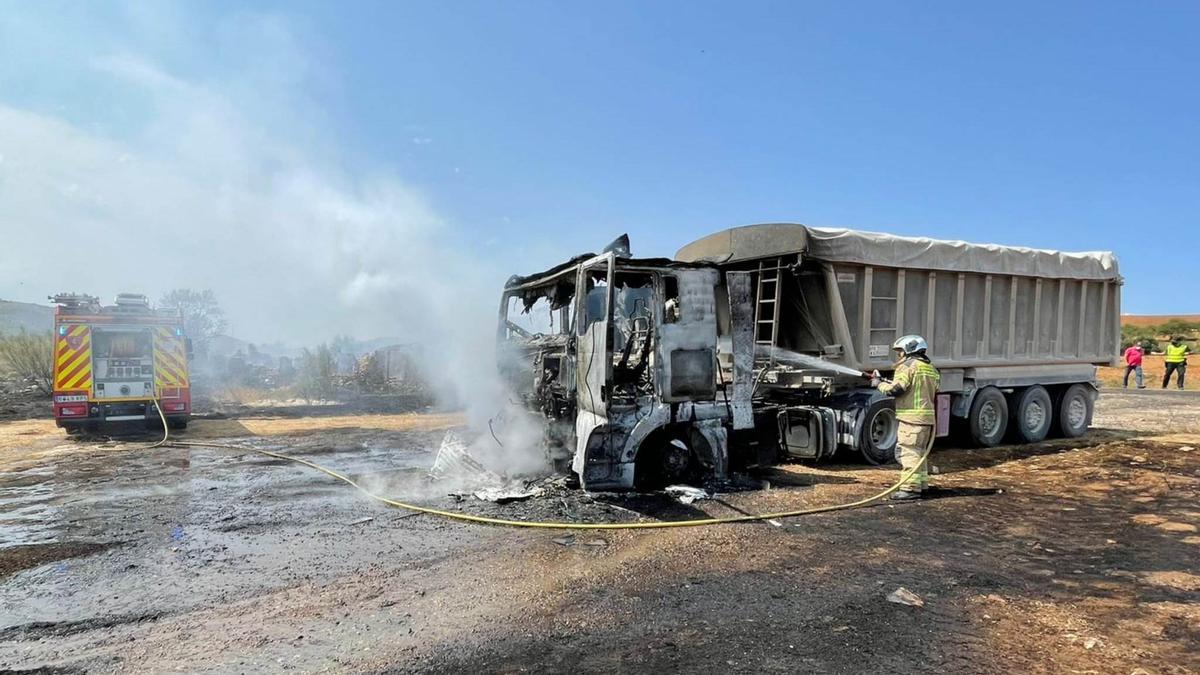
x,y
536,320
537,311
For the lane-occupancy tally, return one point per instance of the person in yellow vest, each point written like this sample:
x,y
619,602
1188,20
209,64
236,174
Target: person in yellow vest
x,y
914,386
1176,360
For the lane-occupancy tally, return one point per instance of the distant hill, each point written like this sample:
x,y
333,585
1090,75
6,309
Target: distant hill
x,y
32,317
1156,319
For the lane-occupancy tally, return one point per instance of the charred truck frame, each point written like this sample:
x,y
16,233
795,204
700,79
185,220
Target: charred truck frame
x,y
747,348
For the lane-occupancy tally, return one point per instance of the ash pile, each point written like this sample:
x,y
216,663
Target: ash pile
x,y
464,475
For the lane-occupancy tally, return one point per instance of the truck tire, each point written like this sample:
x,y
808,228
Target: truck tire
x,y
988,420
1074,413
1032,415
877,435
663,459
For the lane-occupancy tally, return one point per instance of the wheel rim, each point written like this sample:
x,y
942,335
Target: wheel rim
x,y
883,428
1076,412
1035,415
675,460
989,418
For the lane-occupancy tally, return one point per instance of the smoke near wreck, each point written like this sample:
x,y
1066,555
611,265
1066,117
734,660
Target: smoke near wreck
x,y
219,183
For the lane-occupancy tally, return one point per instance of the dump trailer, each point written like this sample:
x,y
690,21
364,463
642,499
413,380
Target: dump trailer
x,y
750,347
1016,332
115,363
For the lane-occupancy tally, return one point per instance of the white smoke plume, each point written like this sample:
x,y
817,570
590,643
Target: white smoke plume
x,y
221,183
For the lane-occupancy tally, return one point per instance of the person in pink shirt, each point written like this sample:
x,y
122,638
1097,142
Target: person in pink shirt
x,y
1133,363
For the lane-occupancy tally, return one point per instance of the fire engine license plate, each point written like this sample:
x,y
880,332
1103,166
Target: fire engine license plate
x,y
71,398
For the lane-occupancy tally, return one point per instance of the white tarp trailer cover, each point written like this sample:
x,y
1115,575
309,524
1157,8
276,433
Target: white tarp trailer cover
x,y
889,250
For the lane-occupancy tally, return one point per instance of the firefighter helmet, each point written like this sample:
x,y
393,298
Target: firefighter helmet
x,y
910,344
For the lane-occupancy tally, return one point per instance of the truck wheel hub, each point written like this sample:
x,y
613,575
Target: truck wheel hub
x,y
675,460
883,427
989,418
1035,415
1076,412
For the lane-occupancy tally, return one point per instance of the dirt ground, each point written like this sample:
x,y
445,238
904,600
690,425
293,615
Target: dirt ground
x,y
1077,556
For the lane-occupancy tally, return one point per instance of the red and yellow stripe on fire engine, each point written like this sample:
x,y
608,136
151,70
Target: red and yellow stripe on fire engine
x,y
73,359
170,359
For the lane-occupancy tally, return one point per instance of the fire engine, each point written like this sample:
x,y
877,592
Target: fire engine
x,y
113,362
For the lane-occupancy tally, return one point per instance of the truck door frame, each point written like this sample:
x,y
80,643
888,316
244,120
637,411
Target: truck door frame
x,y
593,361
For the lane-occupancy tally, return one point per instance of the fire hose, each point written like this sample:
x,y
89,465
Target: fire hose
x,y
486,520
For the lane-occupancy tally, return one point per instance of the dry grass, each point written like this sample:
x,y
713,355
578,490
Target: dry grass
x,y
203,428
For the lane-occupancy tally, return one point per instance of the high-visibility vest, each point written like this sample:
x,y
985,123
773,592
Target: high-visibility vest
x,y
915,387
1176,353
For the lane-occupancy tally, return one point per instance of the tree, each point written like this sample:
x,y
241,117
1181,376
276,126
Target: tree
x,y
31,357
368,375
203,318
1143,335
315,376
1177,327
342,344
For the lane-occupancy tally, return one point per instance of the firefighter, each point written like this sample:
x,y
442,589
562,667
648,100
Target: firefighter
x,y
1175,360
915,387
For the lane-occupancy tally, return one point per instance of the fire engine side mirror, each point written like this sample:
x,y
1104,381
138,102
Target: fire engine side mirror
x,y
188,345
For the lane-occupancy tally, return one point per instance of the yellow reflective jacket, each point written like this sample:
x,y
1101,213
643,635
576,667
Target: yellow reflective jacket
x,y
1176,354
915,388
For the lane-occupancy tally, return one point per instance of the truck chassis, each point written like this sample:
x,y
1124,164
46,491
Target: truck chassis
x,y
655,370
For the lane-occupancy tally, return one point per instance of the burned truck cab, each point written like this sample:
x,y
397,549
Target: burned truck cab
x,y
619,357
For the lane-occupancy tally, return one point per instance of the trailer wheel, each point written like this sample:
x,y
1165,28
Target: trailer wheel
x,y
989,417
877,436
1032,414
1074,413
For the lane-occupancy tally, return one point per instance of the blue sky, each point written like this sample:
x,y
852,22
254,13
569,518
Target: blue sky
x,y
1021,124
517,133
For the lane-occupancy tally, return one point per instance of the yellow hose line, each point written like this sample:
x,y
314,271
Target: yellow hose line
x,y
161,416
466,517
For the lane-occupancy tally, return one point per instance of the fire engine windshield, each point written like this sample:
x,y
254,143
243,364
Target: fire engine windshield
x,y
121,345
